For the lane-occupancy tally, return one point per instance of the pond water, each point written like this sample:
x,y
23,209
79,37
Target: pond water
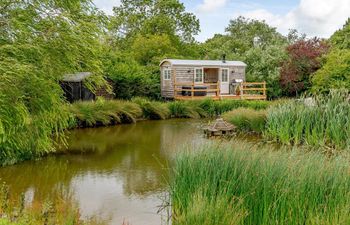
x,y
115,173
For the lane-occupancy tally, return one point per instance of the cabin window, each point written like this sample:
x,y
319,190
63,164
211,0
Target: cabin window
x,y
224,75
167,74
198,75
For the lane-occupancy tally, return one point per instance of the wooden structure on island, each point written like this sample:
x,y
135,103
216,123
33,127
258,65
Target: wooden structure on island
x,y
216,79
219,128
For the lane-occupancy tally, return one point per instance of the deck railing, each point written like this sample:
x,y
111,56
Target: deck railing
x,y
191,91
253,90
246,90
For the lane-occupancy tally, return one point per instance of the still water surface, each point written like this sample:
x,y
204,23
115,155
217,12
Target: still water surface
x,y
117,173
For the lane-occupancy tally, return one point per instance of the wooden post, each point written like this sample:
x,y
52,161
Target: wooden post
x,y
264,92
218,88
192,90
241,91
174,82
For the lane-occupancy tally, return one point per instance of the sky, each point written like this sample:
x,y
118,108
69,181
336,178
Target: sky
x,y
313,17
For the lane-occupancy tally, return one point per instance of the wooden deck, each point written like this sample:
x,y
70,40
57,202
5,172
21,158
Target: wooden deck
x,y
246,91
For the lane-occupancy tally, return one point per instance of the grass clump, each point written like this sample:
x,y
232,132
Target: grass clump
x,y
325,121
186,109
263,187
103,112
245,119
214,108
152,109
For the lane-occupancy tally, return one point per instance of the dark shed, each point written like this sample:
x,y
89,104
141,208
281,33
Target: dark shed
x,y
75,90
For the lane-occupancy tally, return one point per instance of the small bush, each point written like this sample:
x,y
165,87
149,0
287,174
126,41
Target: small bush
x,y
247,119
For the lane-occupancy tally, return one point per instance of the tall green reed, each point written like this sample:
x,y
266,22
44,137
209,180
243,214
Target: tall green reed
x,y
324,122
263,186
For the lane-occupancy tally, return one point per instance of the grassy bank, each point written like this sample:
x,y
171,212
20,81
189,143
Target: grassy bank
x,y
109,112
247,185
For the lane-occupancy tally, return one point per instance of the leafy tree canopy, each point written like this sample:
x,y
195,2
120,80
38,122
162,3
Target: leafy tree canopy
x,y
341,38
154,17
334,74
303,60
40,41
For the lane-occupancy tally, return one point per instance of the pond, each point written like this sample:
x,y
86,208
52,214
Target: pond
x,y
115,173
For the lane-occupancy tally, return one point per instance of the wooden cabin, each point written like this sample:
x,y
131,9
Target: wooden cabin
x,y
217,79
74,88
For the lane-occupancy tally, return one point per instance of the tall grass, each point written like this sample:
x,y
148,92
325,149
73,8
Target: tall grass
x,y
259,186
103,112
324,122
247,119
151,109
186,109
214,108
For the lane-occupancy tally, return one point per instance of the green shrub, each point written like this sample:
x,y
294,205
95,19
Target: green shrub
x,y
264,187
324,122
247,119
152,109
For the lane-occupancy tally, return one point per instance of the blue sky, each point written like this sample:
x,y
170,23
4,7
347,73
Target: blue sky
x,y
313,17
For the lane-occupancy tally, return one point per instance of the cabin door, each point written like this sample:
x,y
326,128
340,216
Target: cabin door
x,y
224,83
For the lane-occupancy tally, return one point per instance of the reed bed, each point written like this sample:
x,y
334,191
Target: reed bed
x,y
247,120
322,122
250,185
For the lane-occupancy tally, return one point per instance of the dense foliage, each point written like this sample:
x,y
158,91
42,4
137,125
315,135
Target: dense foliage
x,y
335,71
303,60
40,41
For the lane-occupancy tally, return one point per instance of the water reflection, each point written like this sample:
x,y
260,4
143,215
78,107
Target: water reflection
x,y
115,172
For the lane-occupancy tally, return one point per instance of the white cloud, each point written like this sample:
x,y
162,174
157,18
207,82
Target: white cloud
x,y
313,17
211,5
107,5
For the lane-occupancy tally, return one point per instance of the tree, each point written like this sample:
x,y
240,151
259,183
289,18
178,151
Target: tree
x,y
264,65
247,33
334,74
341,38
303,60
154,17
152,49
40,42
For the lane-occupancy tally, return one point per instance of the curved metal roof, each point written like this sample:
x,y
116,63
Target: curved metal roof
x,y
185,62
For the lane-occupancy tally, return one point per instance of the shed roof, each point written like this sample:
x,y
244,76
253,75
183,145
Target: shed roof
x,y
76,77
221,125
185,62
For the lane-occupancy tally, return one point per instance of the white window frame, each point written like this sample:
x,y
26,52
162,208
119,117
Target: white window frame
x,y
195,75
228,74
167,74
